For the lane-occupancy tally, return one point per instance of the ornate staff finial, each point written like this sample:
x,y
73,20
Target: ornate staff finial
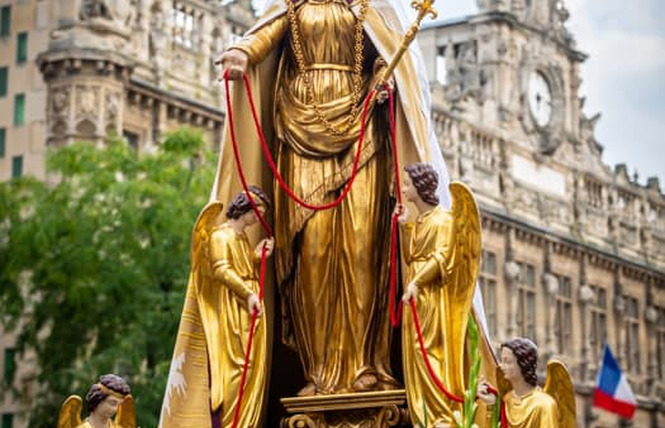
x,y
424,8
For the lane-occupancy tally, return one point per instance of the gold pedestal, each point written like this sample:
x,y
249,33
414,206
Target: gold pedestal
x,y
378,409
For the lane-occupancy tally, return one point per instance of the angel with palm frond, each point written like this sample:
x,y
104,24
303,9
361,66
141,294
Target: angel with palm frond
x,y
106,398
524,404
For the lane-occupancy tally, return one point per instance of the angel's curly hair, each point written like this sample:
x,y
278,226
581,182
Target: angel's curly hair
x,y
241,205
426,180
96,394
526,354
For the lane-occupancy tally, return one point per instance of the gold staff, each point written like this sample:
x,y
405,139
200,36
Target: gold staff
x,y
424,8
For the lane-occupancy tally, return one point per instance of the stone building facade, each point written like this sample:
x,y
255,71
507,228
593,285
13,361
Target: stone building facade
x,y
574,252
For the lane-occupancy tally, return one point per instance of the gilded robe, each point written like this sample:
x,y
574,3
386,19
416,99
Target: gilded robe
x,y
444,304
110,424
535,410
236,275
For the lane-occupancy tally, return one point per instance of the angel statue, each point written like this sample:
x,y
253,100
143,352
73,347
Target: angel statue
x,y
442,252
110,396
204,380
526,405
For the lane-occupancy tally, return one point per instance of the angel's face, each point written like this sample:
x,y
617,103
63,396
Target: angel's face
x,y
511,370
409,190
250,218
109,406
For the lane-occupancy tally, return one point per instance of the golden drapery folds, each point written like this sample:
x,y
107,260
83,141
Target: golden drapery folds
x,y
442,252
86,424
208,360
535,410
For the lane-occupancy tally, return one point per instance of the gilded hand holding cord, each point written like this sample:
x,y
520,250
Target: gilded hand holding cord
x,y
233,60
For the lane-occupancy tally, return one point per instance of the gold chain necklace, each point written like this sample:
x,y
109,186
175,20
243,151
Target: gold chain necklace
x,y
357,66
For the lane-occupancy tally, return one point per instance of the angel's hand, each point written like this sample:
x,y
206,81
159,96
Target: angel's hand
x,y
269,243
411,293
383,90
402,213
483,392
254,304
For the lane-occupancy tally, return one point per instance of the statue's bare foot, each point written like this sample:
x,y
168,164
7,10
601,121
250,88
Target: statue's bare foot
x,y
308,390
365,382
387,385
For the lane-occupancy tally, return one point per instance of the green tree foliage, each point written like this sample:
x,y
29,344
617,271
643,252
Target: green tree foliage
x,y
94,264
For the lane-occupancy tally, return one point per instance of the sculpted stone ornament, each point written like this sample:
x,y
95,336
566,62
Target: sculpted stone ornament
x,y
60,101
526,404
106,398
118,11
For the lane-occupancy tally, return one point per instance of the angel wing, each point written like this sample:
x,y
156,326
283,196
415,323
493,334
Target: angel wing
x,y
560,386
466,219
126,416
208,219
70,412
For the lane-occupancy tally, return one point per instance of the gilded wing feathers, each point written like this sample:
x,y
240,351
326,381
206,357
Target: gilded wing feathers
x,y
560,386
466,219
126,416
208,219
70,412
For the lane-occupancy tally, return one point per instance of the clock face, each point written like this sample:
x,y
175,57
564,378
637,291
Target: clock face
x,y
540,99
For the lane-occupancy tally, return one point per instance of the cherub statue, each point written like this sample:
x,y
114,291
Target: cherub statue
x,y
442,252
106,398
526,405
212,343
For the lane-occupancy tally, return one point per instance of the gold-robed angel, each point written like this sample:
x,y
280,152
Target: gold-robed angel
x,y
530,406
442,252
109,397
217,315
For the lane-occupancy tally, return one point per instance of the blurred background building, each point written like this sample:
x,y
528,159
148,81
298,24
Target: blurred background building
x,y
574,251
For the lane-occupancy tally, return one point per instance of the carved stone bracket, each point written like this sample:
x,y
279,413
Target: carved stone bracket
x,y
380,409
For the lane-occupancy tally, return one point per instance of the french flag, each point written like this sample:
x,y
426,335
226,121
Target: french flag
x,y
612,391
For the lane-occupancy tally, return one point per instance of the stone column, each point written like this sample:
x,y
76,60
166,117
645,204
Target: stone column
x,y
511,274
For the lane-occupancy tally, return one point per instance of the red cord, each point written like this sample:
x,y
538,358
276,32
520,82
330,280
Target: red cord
x,y
395,312
430,370
502,411
250,340
268,230
236,154
273,167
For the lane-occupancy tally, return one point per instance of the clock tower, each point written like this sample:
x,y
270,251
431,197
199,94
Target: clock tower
x,y
513,68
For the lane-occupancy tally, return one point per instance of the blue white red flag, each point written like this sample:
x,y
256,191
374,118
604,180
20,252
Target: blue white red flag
x,y
612,391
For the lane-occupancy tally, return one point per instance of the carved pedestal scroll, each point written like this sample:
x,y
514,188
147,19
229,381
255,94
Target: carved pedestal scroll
x,y
380,409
